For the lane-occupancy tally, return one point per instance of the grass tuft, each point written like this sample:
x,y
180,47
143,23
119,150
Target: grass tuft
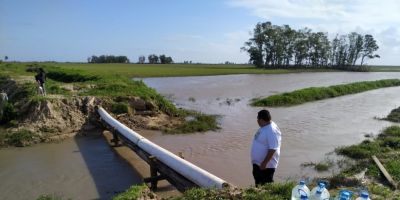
x,y
394,115
133,193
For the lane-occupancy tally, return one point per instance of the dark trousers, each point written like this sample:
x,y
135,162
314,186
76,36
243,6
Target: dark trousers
x,y
263,176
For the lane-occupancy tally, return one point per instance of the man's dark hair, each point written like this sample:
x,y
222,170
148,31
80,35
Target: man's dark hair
x,y
264,115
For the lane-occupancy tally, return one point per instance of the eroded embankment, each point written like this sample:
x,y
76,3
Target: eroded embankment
x,y
28,118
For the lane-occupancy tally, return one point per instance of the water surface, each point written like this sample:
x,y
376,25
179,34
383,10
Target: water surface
x,y
309,130
77,168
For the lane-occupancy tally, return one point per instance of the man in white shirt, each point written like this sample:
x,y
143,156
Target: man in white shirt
x,y
265,149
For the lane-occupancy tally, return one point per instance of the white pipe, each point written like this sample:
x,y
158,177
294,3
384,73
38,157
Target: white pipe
x,y
185,168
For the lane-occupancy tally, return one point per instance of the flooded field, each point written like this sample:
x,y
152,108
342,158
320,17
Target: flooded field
x,y
309,130
87,168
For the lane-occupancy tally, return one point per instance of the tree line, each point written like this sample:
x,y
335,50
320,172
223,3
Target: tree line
x,y
108,59
152,59
273,46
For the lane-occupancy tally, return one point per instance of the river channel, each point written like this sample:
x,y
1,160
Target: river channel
x,y
309,131
87,168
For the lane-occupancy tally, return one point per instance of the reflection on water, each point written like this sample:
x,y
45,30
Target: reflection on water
x,y
77,168
309,131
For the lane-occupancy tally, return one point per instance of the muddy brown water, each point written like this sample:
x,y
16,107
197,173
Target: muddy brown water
x,y
87,168
77,168
309,131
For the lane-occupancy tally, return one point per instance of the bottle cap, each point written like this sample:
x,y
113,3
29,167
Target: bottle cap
x,y
344,195
364,194
302,182
321,185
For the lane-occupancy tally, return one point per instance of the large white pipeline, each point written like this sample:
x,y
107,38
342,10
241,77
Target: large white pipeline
x,y
185,168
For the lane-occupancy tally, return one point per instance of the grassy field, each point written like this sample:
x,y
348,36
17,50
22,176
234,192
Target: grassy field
x,y
318,93
385,68
158,70
168,70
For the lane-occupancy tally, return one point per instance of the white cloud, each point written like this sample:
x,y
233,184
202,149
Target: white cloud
x,y
359,12
379,18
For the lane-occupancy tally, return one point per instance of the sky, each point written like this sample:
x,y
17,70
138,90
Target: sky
x,y
206,31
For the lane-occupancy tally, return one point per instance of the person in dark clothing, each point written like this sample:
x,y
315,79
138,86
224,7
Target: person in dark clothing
x,y
41,79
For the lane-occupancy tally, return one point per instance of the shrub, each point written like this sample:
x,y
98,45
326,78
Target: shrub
x,y
200,123
9,113
20,138
120,108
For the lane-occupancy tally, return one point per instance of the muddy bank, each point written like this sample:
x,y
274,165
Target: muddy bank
x,y
55,117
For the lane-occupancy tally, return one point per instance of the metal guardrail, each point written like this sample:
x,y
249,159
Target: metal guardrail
x,y
163,164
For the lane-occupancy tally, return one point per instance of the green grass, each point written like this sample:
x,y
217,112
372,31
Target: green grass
x,y
199,123
273,191
120,108
385,68
50,197
320,166
133,193
394,115
160,70
386,147
19,138
318,93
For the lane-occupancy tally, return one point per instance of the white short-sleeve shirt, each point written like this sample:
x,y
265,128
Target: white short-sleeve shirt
x,y
267,137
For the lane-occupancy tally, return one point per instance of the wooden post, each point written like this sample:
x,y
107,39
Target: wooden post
x,y
115,138
384,172
153,172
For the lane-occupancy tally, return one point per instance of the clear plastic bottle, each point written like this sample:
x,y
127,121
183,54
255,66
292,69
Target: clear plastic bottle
x,y
343,195
319,193
363,196
300,190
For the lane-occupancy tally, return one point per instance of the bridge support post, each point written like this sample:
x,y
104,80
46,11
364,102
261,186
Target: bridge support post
x,y
153,172
154,177
115,138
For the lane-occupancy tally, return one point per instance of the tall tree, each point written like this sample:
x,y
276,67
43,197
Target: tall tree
x,y
369,48
153,59
273,46
142,59
355,47
162,59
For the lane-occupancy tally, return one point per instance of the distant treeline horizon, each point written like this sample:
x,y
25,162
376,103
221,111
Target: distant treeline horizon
x,y
273,46
152,59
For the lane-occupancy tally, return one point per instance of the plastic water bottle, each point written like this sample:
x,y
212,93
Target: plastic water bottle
x,y
363,196
319,193
343,195
300,191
